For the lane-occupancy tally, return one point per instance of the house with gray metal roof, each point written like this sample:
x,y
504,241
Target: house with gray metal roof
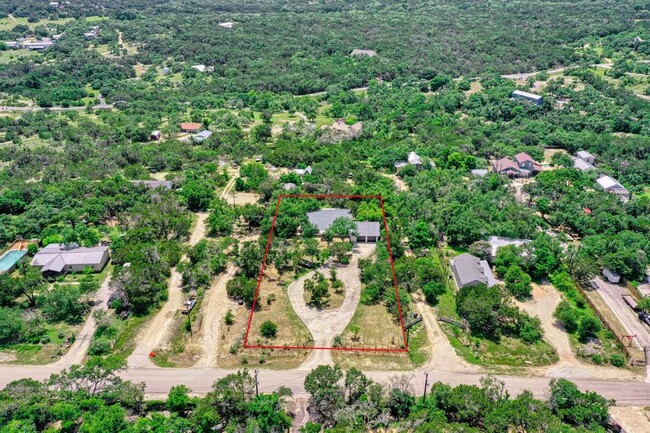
x,y
59,258
367,53
470,271
367,231
586,156
582,165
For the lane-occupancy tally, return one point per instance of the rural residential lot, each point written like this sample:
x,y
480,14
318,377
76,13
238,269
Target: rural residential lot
x,y
271,216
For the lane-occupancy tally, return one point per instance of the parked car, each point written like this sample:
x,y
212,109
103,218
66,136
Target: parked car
x,y
189,305
645,317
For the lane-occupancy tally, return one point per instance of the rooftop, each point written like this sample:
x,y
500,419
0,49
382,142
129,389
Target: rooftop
x,y
324,218
470,270
582,165
55,257
369,228
526,94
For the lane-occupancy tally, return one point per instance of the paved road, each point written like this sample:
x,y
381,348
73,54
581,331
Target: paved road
x,y
612,294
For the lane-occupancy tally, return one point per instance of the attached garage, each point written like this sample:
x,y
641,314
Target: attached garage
x,y
369,231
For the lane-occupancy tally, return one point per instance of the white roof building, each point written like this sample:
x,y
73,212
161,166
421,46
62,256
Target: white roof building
x,y
582,165
613,186
59,258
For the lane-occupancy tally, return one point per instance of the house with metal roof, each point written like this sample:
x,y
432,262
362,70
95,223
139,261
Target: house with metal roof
x,y
303,171
59,258
582,165
202,136
527,96
191,127
471,271
367,231
613,186
586,156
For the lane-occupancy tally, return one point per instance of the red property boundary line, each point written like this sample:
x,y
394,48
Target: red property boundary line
x,y
263,268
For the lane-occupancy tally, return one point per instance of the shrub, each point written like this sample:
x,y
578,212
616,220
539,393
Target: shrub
x,y
567,316
269,329
99,346
230,318
617,360
588,328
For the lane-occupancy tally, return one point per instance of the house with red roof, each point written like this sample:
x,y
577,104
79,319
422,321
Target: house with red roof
x,y
522,165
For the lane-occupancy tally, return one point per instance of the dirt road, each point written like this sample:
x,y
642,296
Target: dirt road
x,y
612,295
443,355
326,325
77,352
157,331
632,419
213,308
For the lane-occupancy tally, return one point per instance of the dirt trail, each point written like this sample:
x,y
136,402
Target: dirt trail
x,y
443,355
213,308
325,325
157,331
545,299
79,348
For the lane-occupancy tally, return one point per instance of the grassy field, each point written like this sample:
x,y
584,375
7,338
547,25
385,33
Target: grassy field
x,y
53,345
10,55
11,22
418,355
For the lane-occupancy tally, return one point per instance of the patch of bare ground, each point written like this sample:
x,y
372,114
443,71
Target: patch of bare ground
x,y
633,419
242,198
397,181
548,156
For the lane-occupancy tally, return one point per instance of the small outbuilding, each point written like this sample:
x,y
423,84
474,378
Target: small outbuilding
x,y
155,136
202,136
366,53
368,231
612,276
586,156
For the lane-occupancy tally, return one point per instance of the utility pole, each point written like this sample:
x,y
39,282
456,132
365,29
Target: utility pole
x,y
426,384
257,382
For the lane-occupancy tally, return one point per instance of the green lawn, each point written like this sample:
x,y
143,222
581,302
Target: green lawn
x,y
10,55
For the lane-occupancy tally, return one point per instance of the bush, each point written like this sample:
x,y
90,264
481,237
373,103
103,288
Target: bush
x,y
617,360
99,346
567,316
269,329
588,328
432,290
230,318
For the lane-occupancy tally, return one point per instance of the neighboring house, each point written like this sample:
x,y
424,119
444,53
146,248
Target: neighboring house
x,y
340,131
303,171
612,276
530,97
190,127
227,25
367,53
582,165
613,186
497,242
480,172
39,45
586,156
57,258
155,135
471,271
368,231
412,159
202,136
154,184
289,186
523,165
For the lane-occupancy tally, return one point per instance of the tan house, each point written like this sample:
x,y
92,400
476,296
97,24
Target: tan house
x,y
59,258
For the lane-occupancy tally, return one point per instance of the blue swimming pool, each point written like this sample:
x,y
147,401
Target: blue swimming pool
x,y
9,259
